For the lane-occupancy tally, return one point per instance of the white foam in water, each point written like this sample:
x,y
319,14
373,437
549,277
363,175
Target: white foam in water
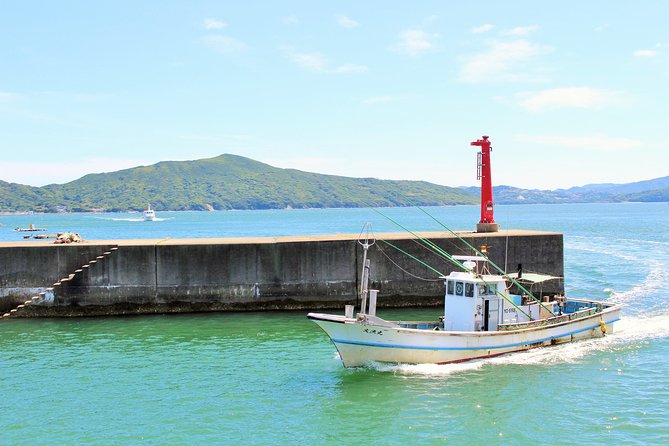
x,y
653,283
645,294
628,330
137,219
640,328
430,369
650,242
125,219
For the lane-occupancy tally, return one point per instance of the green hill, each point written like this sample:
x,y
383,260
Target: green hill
x,y
649,196
223,182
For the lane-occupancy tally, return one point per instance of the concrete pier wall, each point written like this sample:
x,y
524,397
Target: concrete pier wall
x,y
316,272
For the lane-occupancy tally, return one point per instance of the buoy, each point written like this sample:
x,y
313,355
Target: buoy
x,y
602,326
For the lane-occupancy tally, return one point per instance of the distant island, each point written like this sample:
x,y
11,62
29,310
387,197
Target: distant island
x,y
229,182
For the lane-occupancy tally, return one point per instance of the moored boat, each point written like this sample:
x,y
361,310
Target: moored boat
x,y
31,228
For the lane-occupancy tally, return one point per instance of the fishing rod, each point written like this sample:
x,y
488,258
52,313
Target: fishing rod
x,y
500,270
446,255
443,275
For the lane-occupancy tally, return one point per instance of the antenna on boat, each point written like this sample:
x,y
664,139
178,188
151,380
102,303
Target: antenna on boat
x,y
365,241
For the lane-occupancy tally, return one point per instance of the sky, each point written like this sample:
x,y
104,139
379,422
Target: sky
x,y
570,92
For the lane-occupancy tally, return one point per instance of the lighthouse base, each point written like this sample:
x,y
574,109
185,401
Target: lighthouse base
x,y
487,227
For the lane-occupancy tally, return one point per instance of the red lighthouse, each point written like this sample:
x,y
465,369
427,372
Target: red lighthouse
x,y
487,223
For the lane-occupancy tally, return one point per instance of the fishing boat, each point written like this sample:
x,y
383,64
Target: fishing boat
x,y
149,214
484,314
481,319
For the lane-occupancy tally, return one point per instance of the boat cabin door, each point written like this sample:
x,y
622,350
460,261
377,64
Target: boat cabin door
x,y
491,314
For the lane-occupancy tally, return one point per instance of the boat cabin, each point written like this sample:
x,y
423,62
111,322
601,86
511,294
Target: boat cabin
x,y
478,301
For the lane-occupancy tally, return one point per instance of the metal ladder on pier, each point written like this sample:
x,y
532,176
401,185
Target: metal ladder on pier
x,y
48,296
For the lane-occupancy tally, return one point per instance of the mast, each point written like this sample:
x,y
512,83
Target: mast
x,y
366,241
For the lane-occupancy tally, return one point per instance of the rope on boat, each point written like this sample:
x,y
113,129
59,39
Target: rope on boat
x,y
411,256
435,248
500,270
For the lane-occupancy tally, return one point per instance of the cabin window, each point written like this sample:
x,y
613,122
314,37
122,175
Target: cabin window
x,y
449,287
469,289
487,290
459,288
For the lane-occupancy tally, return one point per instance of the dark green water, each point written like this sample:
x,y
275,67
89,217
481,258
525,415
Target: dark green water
x,y
274,378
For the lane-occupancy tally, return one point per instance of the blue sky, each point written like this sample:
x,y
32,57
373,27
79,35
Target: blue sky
x,y
570,92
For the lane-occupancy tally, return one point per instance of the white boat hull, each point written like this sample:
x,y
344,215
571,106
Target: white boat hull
x,y
360,343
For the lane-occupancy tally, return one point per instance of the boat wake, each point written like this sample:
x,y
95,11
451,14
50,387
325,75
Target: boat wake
x,y
630,332
137,219
653,268
654,282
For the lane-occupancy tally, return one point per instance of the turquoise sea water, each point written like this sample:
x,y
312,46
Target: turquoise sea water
x,y
274,378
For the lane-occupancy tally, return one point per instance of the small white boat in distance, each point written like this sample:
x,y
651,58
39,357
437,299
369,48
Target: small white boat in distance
x,y
481,319
149,214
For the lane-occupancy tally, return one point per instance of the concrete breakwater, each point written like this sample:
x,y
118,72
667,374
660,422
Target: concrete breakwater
x,y
238,274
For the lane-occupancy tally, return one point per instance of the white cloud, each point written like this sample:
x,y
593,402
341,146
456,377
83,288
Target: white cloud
x,y
505,61
569,97
602,27
645,53
521,30
598,143
346,22
225,44
414,42
213,24
316,62
483,28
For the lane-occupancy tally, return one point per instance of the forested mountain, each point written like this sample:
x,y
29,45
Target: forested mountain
x,y
223,182
235,182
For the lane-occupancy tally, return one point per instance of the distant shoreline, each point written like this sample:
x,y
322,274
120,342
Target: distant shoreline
x,y
15,213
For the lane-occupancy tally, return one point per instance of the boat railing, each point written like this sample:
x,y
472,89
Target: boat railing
x,y
564,317
573,306
421,325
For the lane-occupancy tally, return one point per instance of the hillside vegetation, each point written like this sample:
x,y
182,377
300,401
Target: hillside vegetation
x,y
235,182
223,182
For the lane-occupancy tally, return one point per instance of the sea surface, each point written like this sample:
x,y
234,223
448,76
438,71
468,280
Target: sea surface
x,y
274,378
